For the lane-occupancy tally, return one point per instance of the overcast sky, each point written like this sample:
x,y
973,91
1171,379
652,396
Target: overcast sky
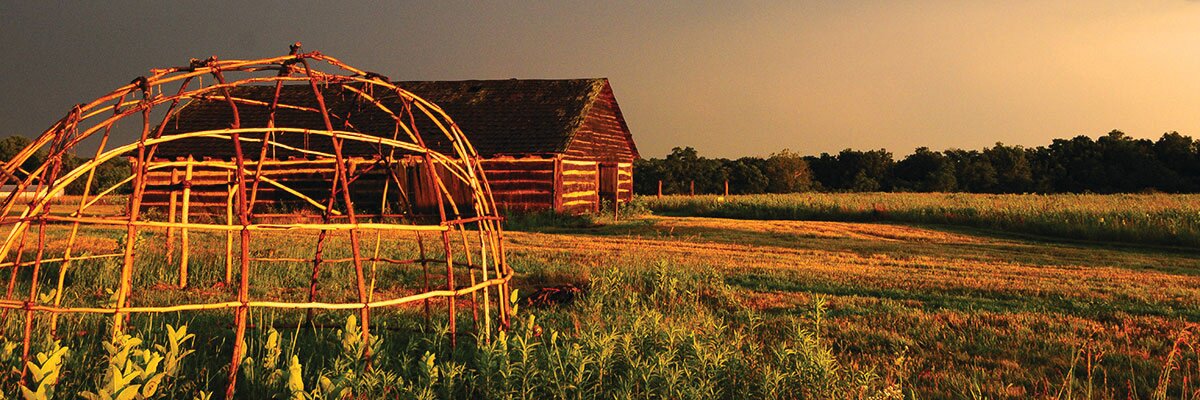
x,y
730,79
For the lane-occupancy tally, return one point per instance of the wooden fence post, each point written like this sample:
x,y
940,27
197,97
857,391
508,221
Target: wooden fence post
x,y
229,233
183,233
691,188
660,188
616,206
171,217
726,188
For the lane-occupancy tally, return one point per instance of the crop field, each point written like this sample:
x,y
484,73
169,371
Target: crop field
x,y
759,306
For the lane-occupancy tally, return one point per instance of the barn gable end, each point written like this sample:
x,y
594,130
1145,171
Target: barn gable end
x,y
603,135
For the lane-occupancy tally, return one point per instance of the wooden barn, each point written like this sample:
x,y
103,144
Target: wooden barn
x,y
543,144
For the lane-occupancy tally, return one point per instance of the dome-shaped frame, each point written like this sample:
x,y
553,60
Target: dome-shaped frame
x,y
467,222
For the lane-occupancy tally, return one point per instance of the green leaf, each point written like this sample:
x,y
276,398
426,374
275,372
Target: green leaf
x,y
47,298
128,393
295,382
38,373
31,395
151,365
151,386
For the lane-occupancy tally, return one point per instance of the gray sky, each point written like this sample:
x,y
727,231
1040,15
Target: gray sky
x,y
730,79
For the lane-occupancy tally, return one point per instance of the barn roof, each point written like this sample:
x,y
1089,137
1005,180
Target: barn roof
x,y
499,117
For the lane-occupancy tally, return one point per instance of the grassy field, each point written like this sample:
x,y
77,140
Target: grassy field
x,y
702,307
952,313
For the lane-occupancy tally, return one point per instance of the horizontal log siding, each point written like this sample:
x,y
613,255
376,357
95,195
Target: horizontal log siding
x,y
210,186
517,184
579,190
625,181
603,135
521,184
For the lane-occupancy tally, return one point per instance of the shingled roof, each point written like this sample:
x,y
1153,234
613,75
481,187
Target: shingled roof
x,y
499,117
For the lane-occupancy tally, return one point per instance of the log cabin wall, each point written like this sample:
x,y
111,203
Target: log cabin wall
x,y
211,183
580,186
625,182
518,184
521,184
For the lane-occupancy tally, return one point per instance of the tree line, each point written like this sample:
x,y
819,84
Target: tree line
x,y
1112,163
107,174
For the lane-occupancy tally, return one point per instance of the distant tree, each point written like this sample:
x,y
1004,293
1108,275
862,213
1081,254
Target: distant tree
x,y
746,175
1181,155
108,173
1044,169
787,172
865,171
972,171
12,145
925,171
1130,165
1076,165
1013,172
826,172
647,173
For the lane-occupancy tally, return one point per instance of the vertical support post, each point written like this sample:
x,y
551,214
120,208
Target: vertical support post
x,y
484,241
243,310
691,188
503,269
660,188
616,207
184,248
462,231
425,269
596,208
726,188
374,264
229,233
135,207
558,184
172,205
616,188
452,300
